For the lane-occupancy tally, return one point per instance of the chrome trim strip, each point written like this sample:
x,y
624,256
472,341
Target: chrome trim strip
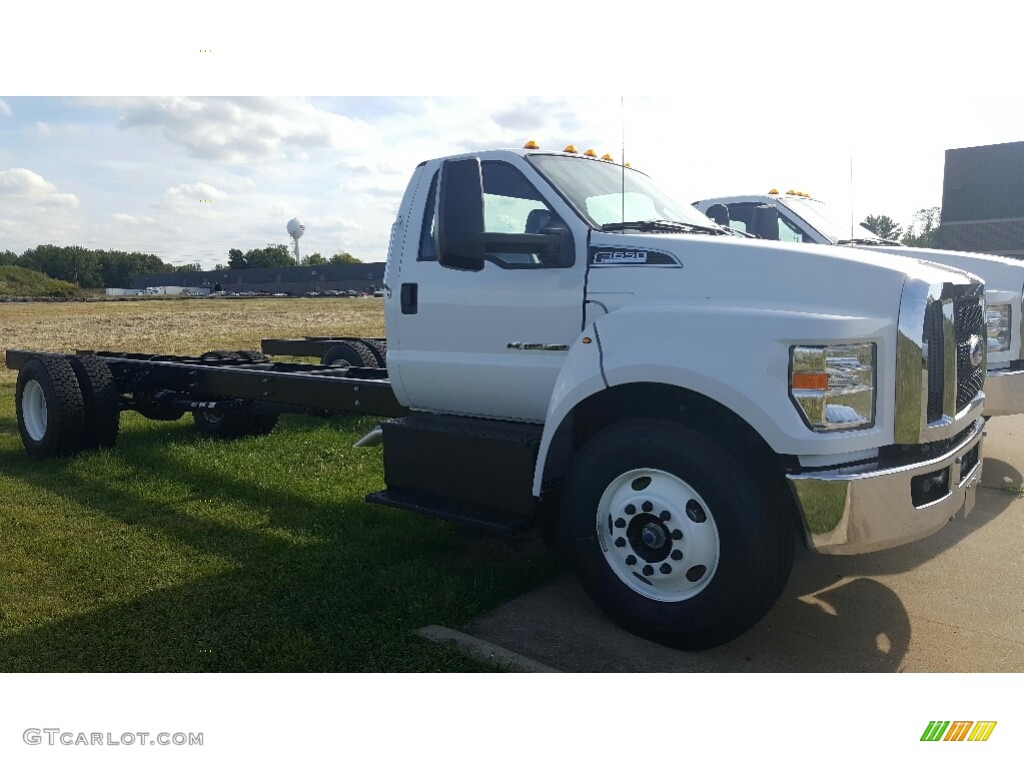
x,y
846,511
949,361
911,363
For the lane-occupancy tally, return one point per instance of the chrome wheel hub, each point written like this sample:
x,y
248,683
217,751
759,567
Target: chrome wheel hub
x,y
658,535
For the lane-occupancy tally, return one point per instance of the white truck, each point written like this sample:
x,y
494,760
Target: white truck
x,y
566,346
799,218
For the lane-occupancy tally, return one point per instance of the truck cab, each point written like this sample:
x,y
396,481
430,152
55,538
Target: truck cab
x,y
796,217
642,373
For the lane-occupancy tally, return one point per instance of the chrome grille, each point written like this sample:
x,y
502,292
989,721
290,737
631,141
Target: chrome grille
x,y
969,316
968,320
933,336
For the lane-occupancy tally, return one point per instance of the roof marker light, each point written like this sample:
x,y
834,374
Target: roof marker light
x,y
790,192
627,165
590,153
607,157
531,144
773,191
571,149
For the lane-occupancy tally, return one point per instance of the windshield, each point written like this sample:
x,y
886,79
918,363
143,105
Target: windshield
x,y
817,214
606,193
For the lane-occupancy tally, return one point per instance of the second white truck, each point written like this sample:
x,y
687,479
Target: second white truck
x,y
798,218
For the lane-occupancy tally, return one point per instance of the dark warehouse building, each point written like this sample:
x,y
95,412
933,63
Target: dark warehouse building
x,y
294,280
983,200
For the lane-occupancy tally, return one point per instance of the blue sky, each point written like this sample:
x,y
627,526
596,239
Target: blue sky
x,y
710,101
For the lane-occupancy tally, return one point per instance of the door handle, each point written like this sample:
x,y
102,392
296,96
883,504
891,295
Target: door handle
x,y
410,298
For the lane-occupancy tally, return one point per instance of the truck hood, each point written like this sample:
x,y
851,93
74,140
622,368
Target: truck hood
x,y
758,273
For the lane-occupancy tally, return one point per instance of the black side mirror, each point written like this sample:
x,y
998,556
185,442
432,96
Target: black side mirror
x,y
460,219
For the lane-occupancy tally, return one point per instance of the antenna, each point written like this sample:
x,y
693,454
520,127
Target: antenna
x,y
622,123
296,229
851,192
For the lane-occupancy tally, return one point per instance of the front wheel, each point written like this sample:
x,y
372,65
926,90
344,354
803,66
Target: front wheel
x,y
671,536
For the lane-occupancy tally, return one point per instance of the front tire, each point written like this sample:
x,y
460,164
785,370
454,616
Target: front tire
x,y
671,536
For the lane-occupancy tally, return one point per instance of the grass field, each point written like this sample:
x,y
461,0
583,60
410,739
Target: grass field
x,y
176,553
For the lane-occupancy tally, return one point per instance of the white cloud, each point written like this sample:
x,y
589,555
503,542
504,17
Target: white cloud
x,y
20,185
5,111
127,218
244,129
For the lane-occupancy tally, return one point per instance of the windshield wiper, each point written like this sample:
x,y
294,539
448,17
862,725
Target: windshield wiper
x,y
867,241
655,225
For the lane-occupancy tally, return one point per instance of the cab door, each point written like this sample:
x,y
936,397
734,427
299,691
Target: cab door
x,y
487,336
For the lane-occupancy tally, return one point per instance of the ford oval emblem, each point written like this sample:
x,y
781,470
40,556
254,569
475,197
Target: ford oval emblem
x,y
977,350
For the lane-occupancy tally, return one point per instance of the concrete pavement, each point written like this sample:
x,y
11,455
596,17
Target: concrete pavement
x,y
953,602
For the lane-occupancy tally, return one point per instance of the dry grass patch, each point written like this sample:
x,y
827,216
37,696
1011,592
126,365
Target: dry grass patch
x,y
183,327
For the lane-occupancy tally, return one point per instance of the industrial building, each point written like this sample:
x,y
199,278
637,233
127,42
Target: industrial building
x,y
296,281
983,200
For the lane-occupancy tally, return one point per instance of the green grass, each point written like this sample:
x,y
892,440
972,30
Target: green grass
x,y
18,282
176,553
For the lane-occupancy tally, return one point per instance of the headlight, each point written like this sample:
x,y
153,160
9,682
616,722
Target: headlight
x,y
834,386
997,318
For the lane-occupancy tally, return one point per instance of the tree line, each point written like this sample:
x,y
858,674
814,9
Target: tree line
x,y
922,232
280,256
92,268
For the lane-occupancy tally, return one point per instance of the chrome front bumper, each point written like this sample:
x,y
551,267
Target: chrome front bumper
x,y
853,510
1004,392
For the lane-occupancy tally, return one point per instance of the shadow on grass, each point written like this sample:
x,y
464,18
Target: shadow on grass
x,y
328,583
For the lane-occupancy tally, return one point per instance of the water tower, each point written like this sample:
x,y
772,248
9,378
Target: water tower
x,y
295,230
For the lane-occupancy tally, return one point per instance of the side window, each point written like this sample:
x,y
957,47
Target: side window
x,y
740,215
788,232
428,245
512,205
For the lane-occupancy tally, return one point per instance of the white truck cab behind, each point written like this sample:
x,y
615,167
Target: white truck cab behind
x,y
798,218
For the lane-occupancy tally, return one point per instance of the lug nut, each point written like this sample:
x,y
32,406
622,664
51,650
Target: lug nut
x,y
677,534
648,570
647,506
665,516
620,542
666,568
677,554
630,509
620,523
631,560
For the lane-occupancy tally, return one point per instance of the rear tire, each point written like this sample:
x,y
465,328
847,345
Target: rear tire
x,y
671,536
99,395
50,408
349,354
224,425
379,349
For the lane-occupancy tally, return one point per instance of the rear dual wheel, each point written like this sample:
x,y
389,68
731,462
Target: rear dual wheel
x,y
66,405
671,536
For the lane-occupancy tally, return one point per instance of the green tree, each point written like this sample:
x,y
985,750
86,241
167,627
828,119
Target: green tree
x,y
193,267
236,259
344,257
923,232
221,268
8,259
313,260
884,227
271,256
